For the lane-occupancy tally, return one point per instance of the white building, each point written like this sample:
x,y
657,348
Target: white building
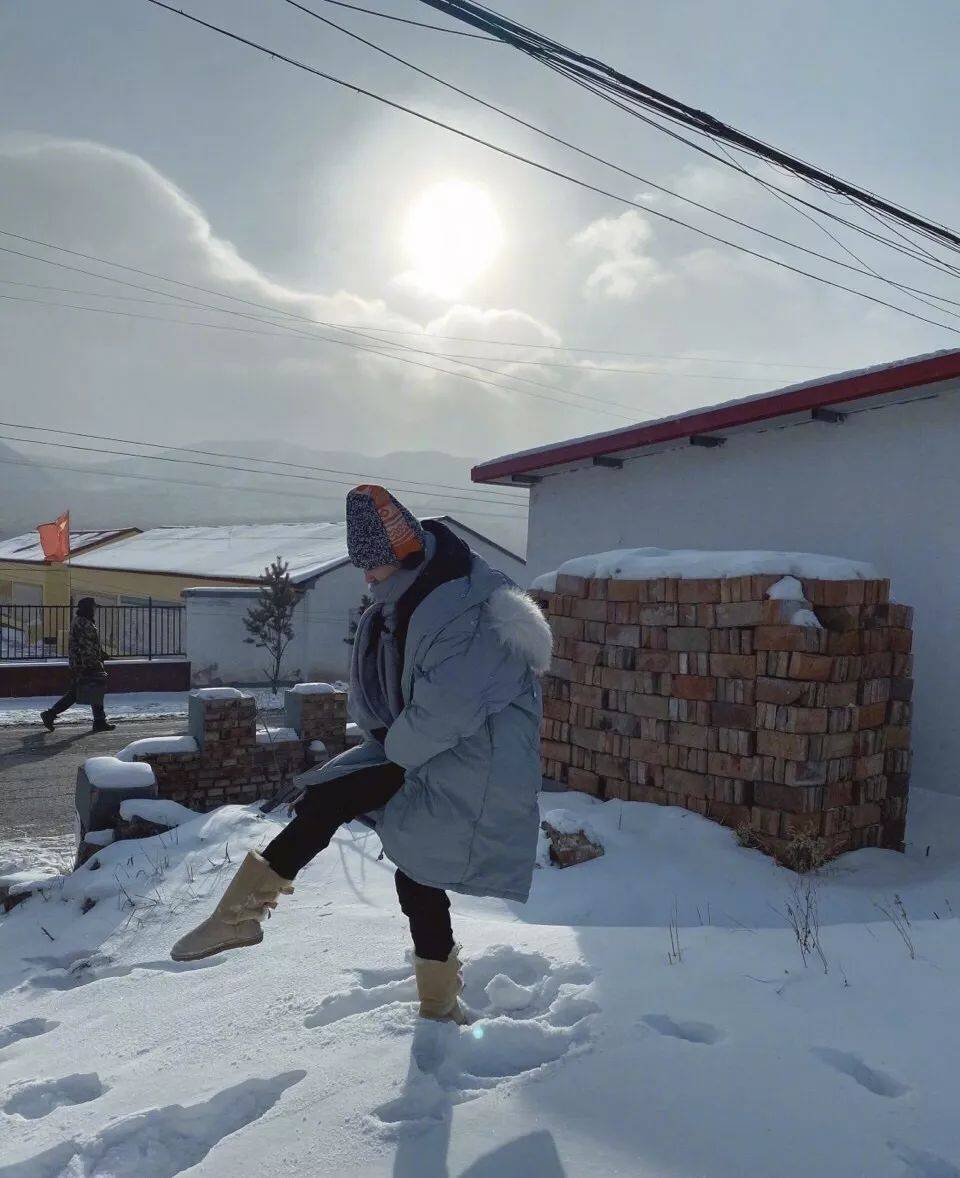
x,y
332,590
863,465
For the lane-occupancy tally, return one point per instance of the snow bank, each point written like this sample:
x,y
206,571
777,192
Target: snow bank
x,y
112,773
277,736
647,564
217,693
313,689
160,811
150,745
506,994
100,838
15,883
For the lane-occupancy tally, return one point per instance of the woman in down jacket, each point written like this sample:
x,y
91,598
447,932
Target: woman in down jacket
x,y
444,686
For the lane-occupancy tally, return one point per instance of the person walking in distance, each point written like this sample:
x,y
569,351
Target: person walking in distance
x,y
444,686
86,665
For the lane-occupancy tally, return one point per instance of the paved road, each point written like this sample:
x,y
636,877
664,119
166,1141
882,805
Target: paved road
x,y
38,771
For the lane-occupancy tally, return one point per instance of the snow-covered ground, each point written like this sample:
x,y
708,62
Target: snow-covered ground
x,y
44,854
647,1013
139,705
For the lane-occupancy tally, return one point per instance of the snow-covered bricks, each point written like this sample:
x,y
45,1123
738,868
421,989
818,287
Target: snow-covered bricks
x,y
103,783
775,702
228,757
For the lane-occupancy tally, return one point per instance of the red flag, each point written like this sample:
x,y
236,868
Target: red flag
x,y
55,538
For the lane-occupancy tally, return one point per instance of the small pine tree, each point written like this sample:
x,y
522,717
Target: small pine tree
x,y
365,602
270,622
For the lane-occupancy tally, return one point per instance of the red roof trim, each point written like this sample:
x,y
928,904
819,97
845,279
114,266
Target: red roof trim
x,y
849,388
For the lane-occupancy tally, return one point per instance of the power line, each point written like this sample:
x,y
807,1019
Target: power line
x,y
396,482
905,246
584,367
417,23
474,339
346,326
212,465
554,55
602,370
545,168
868,272
145,478
314,336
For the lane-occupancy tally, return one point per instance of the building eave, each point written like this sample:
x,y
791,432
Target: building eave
x,y
845,389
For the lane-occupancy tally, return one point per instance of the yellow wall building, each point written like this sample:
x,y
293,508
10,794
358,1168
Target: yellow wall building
x,y
26,578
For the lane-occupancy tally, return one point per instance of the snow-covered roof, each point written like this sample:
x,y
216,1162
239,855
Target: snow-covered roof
x,y
754,411
26,548
235,551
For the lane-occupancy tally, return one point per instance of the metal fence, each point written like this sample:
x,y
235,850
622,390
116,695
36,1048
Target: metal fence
x,y
126,631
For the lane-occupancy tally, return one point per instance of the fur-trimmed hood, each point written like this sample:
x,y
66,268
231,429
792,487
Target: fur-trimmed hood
x,y
520,625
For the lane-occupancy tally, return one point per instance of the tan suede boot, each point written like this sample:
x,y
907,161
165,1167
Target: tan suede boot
x,y
236,919
439,984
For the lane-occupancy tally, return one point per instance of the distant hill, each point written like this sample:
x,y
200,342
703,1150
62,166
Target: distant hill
x,y
165,492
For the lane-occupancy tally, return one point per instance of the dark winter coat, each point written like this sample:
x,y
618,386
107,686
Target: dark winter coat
x,y
468,737
85,651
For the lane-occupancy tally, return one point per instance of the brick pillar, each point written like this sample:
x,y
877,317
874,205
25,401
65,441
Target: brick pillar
x,y
214,718
318,716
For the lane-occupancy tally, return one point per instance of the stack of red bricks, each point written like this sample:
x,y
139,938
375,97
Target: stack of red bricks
x,y
705,694
230,766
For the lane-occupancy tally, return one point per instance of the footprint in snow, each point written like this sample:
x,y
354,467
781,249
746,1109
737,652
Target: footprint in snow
x,y
35,1100
920,1163
361,1000
161,1142
30,1028
377,977
85,970
875,1081
690,1032
66,960
528,1014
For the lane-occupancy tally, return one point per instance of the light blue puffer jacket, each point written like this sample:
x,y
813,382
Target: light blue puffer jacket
x,y
468,736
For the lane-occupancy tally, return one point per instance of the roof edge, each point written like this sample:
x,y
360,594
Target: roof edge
x,y
480,536
911,374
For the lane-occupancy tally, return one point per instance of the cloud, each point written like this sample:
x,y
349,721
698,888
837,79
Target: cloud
x,y
626,266
253,371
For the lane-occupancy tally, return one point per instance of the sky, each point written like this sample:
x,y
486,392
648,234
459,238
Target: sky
x,y
134,136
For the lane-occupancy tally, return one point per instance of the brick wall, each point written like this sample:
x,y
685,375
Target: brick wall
x,y
230,766
704,694
33,678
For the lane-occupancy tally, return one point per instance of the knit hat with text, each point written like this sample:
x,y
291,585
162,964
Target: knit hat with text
x,y
380,530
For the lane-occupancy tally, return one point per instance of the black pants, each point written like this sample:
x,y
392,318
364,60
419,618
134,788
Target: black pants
x,y
68,700
327,807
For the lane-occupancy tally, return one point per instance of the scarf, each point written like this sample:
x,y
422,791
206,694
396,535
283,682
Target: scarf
x,y
376,697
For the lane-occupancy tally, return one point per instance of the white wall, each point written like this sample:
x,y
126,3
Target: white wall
x,y
215,637
215,630
328,609
513,566
884,487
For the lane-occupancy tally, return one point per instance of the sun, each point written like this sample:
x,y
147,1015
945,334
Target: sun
x,y
451,235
